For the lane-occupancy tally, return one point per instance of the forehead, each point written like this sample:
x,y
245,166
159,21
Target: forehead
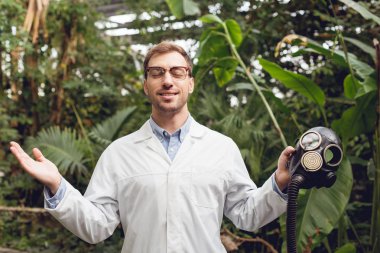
x,y
167,60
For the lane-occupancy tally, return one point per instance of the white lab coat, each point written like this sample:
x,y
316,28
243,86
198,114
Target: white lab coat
x,y
168,206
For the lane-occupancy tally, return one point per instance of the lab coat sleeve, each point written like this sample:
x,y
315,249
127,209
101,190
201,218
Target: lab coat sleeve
x,y
247,206
94,216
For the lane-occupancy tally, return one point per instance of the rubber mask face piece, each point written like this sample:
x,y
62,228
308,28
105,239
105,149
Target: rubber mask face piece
x,y
317,157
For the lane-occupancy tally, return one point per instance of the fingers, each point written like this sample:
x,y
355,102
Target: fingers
x,y
38,155
17,151
24,159
288,151
285,156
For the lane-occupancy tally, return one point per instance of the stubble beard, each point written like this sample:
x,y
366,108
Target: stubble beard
x,y
163,107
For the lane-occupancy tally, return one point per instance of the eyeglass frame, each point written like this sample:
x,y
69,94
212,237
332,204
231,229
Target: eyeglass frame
x,y
188,70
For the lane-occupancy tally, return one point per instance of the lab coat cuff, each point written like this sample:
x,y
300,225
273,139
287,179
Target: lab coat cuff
x,y
277,189
52,202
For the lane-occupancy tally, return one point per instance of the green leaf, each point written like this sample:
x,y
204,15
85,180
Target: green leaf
x,y
367,49
366,14
351,86
191,8
224,70
240,86
210,18
182,8
355,89
367,86
235,32
361,68
347,248
296,82
358,119
212,47
320,209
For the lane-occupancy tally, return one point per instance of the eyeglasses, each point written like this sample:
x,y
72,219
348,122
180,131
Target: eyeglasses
x,y
178,72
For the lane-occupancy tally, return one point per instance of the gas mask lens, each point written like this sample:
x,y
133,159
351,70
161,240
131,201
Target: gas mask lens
x,y
310,140
333,155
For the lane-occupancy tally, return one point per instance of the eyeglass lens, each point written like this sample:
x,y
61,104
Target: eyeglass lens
x,y
176,72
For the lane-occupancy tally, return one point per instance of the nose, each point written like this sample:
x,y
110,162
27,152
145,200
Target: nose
x,y
167,80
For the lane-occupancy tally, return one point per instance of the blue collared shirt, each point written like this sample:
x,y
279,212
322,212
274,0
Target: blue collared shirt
x,y
171,142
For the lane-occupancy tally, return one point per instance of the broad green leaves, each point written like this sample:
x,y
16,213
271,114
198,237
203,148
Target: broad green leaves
x,y
359,86
357,119
294,81
361,10
215,50
320,209
220,42
182,8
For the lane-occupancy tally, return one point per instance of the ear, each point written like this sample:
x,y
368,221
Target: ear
x,y
145,88
191,85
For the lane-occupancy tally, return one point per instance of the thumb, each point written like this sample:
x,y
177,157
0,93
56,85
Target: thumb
x,y
38,155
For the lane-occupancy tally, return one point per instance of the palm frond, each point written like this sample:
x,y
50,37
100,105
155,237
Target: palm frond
x,y
62,147
107,131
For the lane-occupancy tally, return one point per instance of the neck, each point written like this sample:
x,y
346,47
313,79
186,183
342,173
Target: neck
x,y
170,121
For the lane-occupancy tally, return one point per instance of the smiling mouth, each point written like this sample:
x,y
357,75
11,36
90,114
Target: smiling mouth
x,y
167,94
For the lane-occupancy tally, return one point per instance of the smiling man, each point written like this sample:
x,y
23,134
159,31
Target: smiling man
x,y
170,182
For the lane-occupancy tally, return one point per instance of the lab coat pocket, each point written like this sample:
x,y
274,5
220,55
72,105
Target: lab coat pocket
x,y
206,188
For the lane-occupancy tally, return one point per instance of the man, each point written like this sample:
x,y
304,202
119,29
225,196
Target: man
x,y
170,182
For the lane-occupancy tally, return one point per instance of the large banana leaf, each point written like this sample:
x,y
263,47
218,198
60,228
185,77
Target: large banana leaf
x,y
361,10
361,117
63,148
294,81
320,209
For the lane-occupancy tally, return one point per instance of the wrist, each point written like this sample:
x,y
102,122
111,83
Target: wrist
x,y
282,179
53,187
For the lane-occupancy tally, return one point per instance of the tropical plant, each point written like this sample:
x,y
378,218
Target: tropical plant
x,y
222,58
74,154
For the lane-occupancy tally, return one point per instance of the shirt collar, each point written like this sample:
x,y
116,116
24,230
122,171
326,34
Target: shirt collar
x,y
162,133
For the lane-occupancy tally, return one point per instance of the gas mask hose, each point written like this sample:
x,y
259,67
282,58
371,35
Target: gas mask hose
x,y
293,188
313,164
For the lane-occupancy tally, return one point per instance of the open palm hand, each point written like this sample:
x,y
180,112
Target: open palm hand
x,y
41,168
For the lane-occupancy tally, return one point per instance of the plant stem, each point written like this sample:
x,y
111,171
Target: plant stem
x,y
375,219
85,135
255,85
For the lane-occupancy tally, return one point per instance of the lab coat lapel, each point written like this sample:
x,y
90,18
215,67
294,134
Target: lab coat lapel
x,y
146,134
195,134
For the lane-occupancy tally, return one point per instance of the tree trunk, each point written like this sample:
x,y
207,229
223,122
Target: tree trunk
x,y
69,47
30,83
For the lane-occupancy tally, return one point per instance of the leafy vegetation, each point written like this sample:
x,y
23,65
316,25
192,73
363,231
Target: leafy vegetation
x,y
265,72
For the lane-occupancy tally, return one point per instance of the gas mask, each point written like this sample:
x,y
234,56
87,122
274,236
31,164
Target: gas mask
x,y
317,158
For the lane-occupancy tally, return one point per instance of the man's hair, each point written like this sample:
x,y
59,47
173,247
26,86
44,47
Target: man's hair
x,y
163,48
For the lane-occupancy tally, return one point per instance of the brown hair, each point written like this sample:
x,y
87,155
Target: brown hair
x,y
163,48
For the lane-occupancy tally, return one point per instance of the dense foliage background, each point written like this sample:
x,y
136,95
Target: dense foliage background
x,y
266,71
